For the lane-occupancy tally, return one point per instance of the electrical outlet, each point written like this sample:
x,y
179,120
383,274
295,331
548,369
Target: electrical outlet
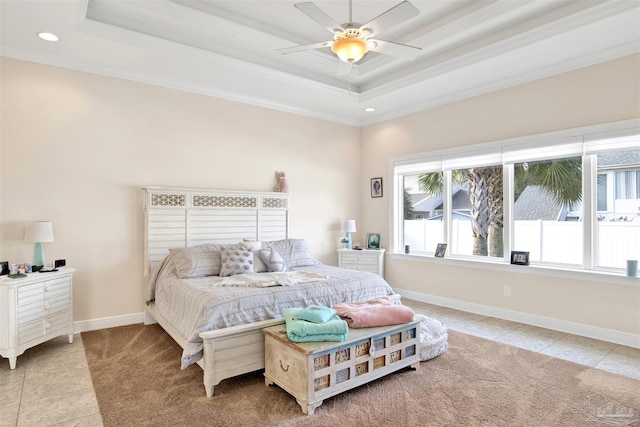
x,y
507,291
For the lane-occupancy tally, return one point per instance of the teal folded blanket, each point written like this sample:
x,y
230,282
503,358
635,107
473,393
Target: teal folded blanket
x,y
334,329
316,314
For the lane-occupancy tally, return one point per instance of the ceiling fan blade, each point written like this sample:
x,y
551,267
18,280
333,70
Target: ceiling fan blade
x,y
344,68
394,49
301,48
314,12
392,17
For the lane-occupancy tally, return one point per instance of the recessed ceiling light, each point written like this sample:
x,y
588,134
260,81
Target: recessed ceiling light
x,y
369,109
50,37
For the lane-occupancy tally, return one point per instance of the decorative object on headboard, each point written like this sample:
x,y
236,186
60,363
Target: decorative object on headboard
x,y
281,183
179,217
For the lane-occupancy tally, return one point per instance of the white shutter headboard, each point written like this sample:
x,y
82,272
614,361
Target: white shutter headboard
x,y
180,217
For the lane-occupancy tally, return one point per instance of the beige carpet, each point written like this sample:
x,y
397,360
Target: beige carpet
x,y
137,378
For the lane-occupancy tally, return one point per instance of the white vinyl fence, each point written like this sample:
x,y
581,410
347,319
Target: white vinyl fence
x,y
546,241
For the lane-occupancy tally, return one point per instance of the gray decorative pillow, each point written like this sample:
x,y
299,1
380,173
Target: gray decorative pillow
x,y
294,252
197,261
272,259
236,260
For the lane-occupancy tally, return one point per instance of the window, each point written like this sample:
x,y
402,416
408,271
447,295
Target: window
x,y
547,211
618,224
569,198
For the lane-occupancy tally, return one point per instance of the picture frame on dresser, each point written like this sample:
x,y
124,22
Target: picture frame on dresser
x,y
4,268
373,240
21,268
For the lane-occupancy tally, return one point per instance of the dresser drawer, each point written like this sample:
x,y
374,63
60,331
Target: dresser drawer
x,y
39,328
39,309
30,294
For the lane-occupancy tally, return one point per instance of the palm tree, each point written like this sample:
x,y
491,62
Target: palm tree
x,y
561,178
408,208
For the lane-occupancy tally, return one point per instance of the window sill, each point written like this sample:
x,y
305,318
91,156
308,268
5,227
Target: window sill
x,y
538,270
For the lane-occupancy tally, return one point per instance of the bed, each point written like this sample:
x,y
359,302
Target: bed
x,y
218,318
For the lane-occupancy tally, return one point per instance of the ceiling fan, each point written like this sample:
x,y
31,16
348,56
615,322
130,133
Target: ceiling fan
x,y
352,40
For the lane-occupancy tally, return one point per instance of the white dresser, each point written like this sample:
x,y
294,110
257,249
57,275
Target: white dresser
x,y
33,310
371,260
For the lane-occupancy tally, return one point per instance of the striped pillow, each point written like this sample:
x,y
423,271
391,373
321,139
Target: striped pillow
x,y
197,261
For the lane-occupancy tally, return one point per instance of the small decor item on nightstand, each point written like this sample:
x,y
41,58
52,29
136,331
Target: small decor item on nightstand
x,y
376,187
441,249
519,258
4,268
373,240
59,263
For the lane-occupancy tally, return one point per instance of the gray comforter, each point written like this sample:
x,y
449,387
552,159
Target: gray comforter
x,y
196,305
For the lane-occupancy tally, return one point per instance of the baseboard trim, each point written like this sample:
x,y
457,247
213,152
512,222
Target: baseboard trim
x,y
107,322
603,334
609,335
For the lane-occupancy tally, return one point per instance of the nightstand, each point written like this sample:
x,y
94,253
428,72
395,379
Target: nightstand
x,y
33,310
371,260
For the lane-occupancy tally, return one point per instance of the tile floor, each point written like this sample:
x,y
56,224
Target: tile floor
x,y
51,385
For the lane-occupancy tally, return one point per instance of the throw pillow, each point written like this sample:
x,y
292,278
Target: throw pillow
x,y
236,260
272,259
254,245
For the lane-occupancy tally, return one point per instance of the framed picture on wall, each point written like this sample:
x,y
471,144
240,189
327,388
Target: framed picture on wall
x,y
376,187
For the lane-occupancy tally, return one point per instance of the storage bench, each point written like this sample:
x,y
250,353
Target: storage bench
x,y
314,371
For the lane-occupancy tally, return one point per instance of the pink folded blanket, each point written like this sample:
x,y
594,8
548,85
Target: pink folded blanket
x,y
372,313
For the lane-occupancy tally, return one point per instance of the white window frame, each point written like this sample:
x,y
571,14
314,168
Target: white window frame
x,y
586,142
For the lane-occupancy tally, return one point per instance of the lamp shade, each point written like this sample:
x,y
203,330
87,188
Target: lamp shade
x,y
38,232
349,226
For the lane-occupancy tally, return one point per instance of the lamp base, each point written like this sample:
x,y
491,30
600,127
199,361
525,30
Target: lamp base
x,y
38,254
348,244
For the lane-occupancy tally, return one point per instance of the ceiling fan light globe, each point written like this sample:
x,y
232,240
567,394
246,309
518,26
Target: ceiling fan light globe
x,y
350,49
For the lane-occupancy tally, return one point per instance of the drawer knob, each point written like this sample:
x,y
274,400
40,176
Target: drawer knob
x,y
283,368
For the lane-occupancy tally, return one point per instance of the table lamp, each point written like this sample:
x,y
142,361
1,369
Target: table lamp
x,y
349,226
39,232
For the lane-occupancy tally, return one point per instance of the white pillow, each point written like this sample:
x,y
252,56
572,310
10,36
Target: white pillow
x,y
236,260
197,261
258,265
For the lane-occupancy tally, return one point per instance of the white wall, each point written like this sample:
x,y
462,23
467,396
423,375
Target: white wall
x,y
603,93
76,148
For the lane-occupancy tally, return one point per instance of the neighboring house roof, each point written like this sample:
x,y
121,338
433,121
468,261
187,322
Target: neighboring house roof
x,y
619,159
535,203
460,201
425,203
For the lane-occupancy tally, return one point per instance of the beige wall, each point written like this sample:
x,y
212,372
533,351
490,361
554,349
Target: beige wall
x,y
77,147
599,94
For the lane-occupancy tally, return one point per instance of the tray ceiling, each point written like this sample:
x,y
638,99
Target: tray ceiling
x,y
227,49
